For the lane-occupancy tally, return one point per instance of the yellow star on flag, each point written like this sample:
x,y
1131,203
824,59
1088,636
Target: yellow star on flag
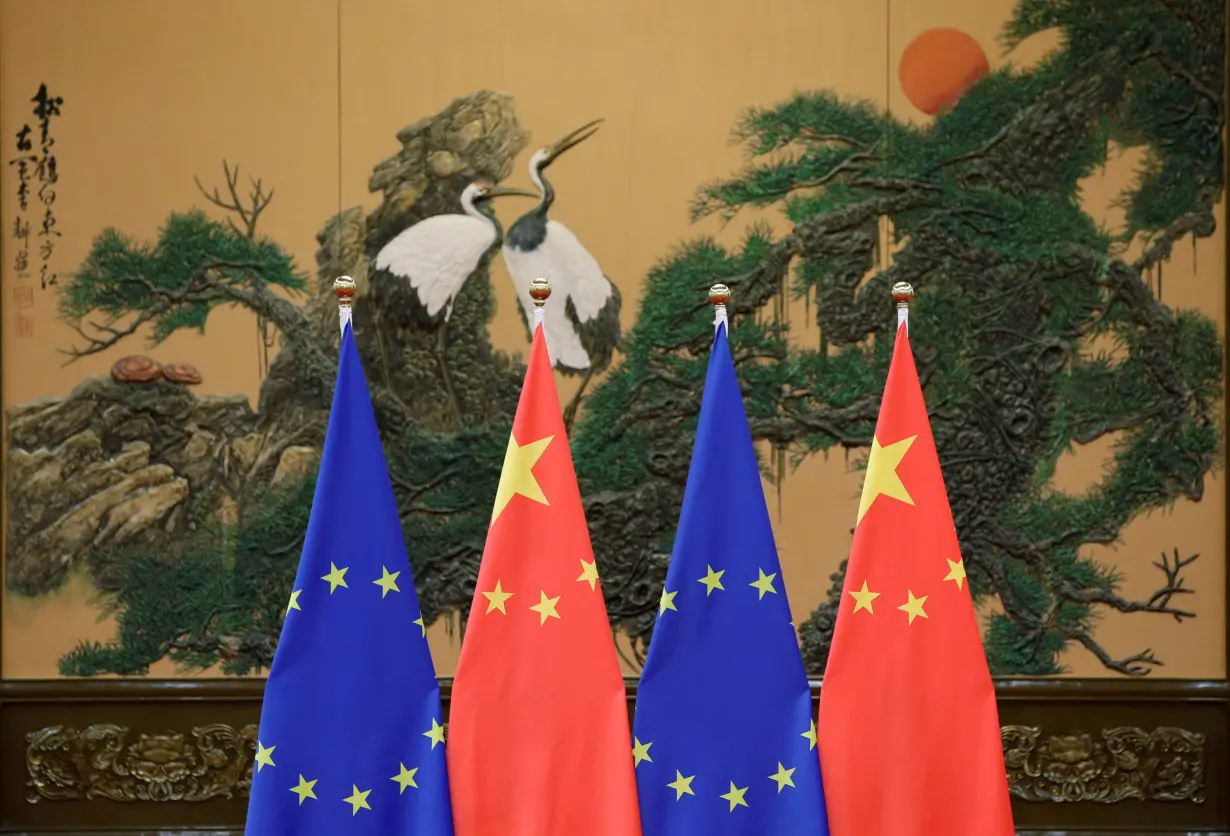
x,y
681,785
881,476
387,582
264,756
668,601
640,752
422,626
517,475
405,778
735,796
863,598
304,789
545,607
764,583
956,572
357,800
810,734
914,606
336,577
782,777
712,580
589,572
294,601
496,599
435,733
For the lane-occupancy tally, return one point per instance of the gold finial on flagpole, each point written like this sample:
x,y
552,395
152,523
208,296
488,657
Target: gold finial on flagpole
x,y
344,289
540,292
903,294
719,298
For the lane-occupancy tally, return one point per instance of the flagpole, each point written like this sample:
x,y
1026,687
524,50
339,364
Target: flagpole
x,y
540,292
343,288
903,293
719,297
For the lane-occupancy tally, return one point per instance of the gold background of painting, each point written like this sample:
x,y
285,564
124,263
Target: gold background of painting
x,y
158,92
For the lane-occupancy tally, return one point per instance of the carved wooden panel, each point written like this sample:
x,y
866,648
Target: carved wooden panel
x,y
99,761
215,761
1166,764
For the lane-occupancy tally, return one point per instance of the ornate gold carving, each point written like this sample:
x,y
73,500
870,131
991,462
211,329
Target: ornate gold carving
x,y
213,761
1166,764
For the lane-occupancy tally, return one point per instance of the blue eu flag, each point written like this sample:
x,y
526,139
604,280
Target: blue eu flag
x,y
725,739
350,737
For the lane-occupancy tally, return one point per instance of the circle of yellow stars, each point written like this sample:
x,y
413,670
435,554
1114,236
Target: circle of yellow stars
x,y
305,788
736,796
712,581
336,578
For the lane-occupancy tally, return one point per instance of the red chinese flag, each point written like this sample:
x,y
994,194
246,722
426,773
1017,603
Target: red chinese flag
x,y
538,739
909,733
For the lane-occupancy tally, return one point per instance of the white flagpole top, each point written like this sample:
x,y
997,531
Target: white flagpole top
x,y
719,297
540,292
343,288
903,292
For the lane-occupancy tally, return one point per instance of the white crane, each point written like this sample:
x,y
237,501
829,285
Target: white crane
x,y
582,321
439,253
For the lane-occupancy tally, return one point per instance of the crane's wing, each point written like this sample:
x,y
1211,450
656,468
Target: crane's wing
x,y
437,255
563,343
578,272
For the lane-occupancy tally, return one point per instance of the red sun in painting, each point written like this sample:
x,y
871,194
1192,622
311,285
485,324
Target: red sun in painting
x,y
938,66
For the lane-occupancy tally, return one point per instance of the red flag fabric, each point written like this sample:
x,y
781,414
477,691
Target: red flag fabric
x,y
909,732
538,737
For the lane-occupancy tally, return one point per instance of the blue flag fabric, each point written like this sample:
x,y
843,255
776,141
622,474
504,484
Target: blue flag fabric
x,y
725,741
350,736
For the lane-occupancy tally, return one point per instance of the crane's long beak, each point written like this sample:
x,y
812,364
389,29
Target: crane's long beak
x,y
578,136
504,191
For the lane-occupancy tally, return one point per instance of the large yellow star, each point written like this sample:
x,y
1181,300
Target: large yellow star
x,y
264,756
863,598
496,599
682,785
387,582
667,602
435,733
956,572
735,796
294,601
914,606
640,752
782,777
545,607
422,626
881,476
357,800
764,583
304,789
810,734
405,778
336,577
589,572
517,475
712,580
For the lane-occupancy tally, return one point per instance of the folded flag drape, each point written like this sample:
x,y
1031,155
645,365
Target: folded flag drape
x,y
909,730
538,729
725,741
351,736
